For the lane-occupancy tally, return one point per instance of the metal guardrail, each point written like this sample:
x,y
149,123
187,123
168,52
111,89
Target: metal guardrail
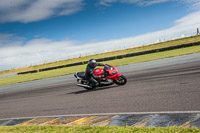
x,y
115,57
8,75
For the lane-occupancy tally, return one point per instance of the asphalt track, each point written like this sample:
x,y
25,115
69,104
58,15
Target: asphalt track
x,y
164,88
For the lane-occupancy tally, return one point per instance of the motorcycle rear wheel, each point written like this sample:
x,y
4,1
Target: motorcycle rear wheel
x,y
88,88
121,80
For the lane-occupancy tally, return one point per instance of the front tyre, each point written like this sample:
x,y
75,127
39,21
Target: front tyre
x,y
121,80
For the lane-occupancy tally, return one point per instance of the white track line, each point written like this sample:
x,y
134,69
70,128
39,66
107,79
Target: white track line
x,y
101,114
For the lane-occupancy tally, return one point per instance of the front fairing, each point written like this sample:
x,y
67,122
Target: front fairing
x,y
111,71
98,71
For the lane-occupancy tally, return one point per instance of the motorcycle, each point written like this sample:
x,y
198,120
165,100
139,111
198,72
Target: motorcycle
x,y
111,76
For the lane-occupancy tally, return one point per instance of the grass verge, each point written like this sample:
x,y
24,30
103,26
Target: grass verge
x,y
95,129
125,61
176,42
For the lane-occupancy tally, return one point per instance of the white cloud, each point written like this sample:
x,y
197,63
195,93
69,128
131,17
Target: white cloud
x,y
138,2
9,40
193,4
34,52
44,50
35,10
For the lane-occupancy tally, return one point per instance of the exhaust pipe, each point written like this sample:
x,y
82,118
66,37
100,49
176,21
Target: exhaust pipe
x,y
82,85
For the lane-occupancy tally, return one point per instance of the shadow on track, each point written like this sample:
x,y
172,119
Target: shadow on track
x,y
88,91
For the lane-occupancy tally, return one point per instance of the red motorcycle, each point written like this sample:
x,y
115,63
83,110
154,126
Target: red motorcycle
x,y
111,76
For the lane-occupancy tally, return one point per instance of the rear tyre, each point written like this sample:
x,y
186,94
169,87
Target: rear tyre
x,y
88,88
121,80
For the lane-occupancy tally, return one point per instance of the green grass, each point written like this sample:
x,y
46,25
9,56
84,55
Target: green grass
x,y
95,129
107,54
125,61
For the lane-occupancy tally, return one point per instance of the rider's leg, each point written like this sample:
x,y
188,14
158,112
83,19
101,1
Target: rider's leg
x,y
94,82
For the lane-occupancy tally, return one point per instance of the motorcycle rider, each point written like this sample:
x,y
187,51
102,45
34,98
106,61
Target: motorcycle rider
x,y
89,73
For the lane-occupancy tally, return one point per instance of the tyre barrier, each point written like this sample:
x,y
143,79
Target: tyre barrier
x,y
33,71
115,57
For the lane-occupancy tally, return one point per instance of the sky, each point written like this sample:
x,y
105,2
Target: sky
x,y
40,31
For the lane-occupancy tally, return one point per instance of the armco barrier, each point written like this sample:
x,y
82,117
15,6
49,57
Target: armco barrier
x,y
115,57
8,75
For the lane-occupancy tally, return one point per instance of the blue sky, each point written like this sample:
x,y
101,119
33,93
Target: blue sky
x,y
38,31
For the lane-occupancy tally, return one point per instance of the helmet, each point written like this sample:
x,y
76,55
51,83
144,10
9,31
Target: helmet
x,y
92,63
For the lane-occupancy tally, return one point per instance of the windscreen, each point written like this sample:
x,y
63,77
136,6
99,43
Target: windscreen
x,y
108,67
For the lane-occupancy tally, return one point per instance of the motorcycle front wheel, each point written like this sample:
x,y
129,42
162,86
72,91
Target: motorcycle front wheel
x,y
121,80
